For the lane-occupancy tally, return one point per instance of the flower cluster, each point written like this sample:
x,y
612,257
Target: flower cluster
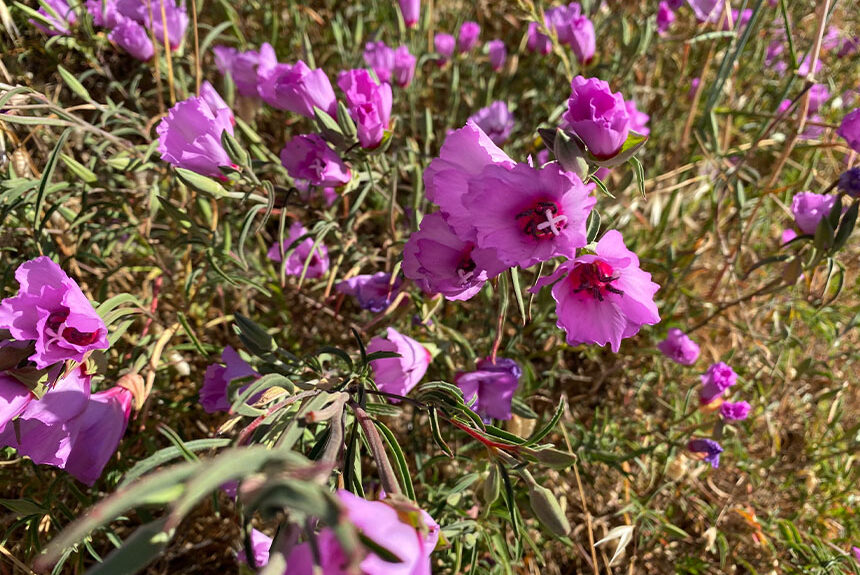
x,y
571,27
133,24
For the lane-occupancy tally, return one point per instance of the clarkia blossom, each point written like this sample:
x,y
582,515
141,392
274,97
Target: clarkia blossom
x,y
369,105
582,39
444,45
398,375
665,17
14,397
242,67
308,157
707,10
598,116
318,262
404,66
537,40
679,347
175,16
605,297
496,121
374,292
809,209
380,58
60,16
497,54
213,393
818,94
715,381
490,388
849,129
856,552
104,12
788,234
438,261
133,38
260,546
214,100
468,36
709,448
411,10
299,89
190,137
736,411
638,120
849,182
52,311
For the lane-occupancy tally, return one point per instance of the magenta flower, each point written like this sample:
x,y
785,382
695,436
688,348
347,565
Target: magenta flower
x,y
496,121
214,100
805,64
190,137
849,182
665,17
710,448
104,12
856,552
694,87
788,234
438,261
411,10
298,89
529,215
133,38
404,66
398,375
849,129
561,19
774,50
380,58
318,264
308,157
14,397
598,116
707,10
52,311
735,411
374,292
175,14
61,17
260,545
605,297
444,44
242,67
818,94
369,105
739,19
497,54
676,4
809,209
213,393
638,120
679,347
490,389
537,40
715,381
464,154
468,36
582,39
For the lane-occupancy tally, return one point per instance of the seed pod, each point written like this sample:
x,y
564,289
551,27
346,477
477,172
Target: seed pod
x,y
546,508
492,486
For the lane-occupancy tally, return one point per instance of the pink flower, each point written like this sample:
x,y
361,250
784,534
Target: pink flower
x,y
561,19
818,94
694,87
679,347
707,10
710,449
665,17
715,381
216,103
788,234
213,393
104,12
190,137
242,67
806,64
404,66
438,261
537,40
318,263
308,157
374,292
598,116
298,89
444,44
398,375
175,14
582,39
605,297
464,155
809,209
735,411
856,552
61,18
133,38
497,54
411,10
14,397
490,389
369,105
849,129
380,58
638,120
260,545
529,215
468,36
52,311
495,120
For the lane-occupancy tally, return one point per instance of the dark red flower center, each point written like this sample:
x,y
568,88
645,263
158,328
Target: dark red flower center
x,y
594,279
55,323
544,220
467,266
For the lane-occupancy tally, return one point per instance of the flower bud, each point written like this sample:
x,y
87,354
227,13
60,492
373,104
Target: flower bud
x,y
569,152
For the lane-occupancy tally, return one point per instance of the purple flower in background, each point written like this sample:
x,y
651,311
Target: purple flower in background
x,y
444,44
849,182
369,105
175,14
707,10
104,13
739,19
582,39
464,154
411,10
788,234
496,121
299,89
14,397
736,411
849,129
676,4
813,129
561,19
133,38
715,381
52,311
774,50
537,40
710,448
529,215
665,17
190,137
818,94
213,99
260,545
605,297
849,47
638,120
805,64
809,208
317,263
61,17
374,292
308,157
598,116
490,389
398,375
438,261
468,36
679,347
242,67
380,58
856,552
213,393
694,87
497,54
404,66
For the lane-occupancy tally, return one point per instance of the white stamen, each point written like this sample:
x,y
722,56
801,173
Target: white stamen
x,y
464,275
317,166
552,222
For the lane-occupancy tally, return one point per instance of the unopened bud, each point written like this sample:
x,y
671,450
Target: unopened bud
x,y
570,153
492,486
